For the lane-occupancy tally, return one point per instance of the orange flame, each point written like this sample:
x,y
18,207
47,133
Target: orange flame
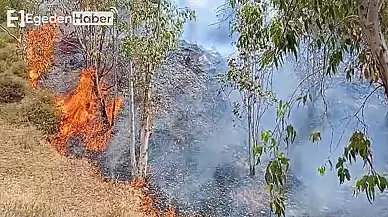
x,y
147,205
81,115
39,51
171,212
80,109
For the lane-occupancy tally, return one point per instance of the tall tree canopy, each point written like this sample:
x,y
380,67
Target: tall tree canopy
x,y
342,32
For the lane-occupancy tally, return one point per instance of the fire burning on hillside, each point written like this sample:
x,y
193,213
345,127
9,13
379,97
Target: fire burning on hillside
x,y
87,108
40,51
81,115
81,108
148,205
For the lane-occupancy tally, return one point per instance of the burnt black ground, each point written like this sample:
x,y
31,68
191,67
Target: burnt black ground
x,y
197,158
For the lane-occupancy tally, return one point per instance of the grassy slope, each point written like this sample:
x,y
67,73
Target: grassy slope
x,y
36,181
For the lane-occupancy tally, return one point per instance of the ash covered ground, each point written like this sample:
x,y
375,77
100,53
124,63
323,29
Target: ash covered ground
x,y
198,159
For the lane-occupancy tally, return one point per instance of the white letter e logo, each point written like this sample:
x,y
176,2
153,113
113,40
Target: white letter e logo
x,y
10,18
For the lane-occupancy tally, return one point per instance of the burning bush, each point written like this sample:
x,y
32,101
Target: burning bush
x,y
148,205
82,115
40,51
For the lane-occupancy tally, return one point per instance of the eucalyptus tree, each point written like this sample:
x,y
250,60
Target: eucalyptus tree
x,y
342,31
311,76
254,87
156,27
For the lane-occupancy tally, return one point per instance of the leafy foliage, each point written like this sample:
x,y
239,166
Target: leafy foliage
x,y
44,116
153,31
268,32
12,89
332,27
360,146
315,136
142,46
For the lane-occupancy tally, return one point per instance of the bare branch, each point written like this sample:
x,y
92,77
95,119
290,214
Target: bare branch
x,y
9,33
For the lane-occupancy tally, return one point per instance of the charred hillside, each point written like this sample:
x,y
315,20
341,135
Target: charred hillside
x,y
197,158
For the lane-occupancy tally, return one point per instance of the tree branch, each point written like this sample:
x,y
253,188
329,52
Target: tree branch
x,y
9,33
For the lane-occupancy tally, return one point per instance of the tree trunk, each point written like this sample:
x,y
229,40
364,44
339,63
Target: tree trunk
x,y
369,11
132,124
145,130
251,126
132,132
144,140
250,138
145,117
312,89
98,71
116,55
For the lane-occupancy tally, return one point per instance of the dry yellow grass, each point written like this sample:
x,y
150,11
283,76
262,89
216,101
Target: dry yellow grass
x,y
37,181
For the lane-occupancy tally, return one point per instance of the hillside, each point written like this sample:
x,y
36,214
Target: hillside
x,y
187,132
34,179
37,181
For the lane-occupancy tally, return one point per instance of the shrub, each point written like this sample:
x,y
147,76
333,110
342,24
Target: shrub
x,y
4,65
19,102
11,62
44,116
3,43
7,53
10,90
42,95
37,108
18,69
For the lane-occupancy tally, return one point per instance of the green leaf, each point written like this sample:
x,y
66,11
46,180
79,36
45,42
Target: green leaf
x,y
258,150
347,174
382,183
322,170
291,134
269,187
315,136
265,136
340,163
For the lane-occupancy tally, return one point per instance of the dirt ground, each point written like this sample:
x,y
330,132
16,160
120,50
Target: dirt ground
x,y
37,181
